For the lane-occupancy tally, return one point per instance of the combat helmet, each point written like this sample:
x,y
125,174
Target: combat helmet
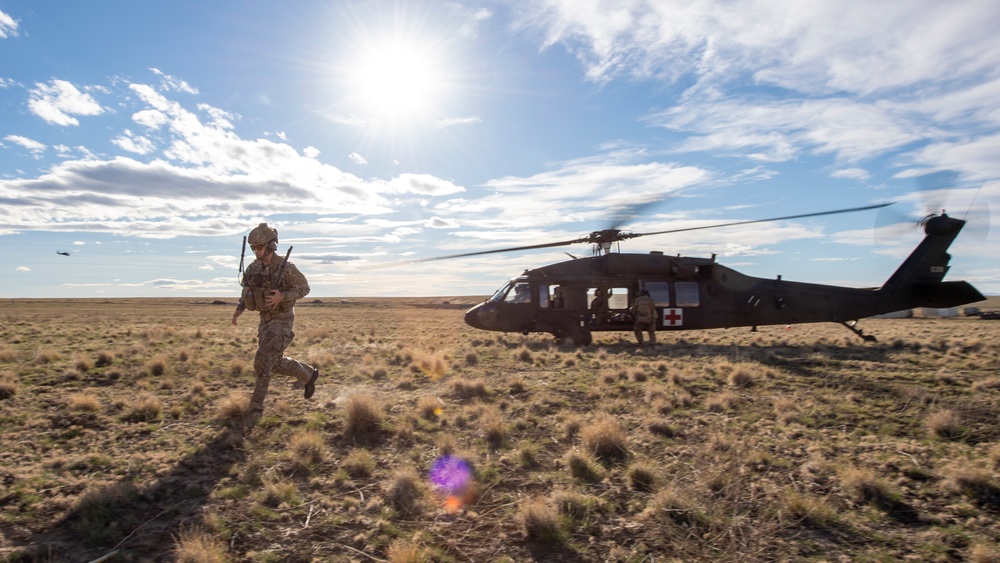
x,y
262,234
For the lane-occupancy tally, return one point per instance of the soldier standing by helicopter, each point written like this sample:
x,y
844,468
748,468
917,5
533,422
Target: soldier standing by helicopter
x,y
271,285
644,311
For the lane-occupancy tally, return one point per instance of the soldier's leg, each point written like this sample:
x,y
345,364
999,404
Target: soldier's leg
x,y
652,335
270,347
301,371
638,333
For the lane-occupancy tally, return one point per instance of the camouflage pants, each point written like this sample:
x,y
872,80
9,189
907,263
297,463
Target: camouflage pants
x,y
648,326
273,336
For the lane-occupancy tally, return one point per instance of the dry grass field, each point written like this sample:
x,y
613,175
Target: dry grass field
x,y
120,440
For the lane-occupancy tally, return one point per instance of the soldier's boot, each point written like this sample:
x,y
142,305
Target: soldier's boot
x,y
652,339
638,336
310,386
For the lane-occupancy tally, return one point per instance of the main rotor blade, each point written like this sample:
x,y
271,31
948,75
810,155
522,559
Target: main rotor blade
x,y
627,213
433,258
934,188
851,210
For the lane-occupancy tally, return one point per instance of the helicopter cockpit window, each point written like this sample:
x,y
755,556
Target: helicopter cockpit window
x,y
500,293
687,294
659,292
520,293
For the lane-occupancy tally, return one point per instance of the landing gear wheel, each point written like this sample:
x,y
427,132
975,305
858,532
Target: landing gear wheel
x,y
579,336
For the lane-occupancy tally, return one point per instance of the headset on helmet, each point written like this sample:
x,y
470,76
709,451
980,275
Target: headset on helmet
x,y
262,234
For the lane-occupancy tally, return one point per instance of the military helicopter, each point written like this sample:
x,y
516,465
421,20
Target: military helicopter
x,y
573,299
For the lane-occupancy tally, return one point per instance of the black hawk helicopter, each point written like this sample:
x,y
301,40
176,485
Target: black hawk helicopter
x,y
574,298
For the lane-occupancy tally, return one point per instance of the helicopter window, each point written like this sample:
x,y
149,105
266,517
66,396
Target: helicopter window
x,y
618,298
557,300
521,293
544,300
687,294
499,294
659,292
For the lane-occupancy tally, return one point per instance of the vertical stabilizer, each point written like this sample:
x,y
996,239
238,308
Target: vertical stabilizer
x,y
918,280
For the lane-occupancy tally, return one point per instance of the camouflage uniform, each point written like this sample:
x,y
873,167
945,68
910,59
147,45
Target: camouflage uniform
x,y
645,317
274,333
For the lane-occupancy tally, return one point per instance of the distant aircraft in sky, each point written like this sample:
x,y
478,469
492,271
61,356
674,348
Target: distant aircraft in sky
x,y
63,253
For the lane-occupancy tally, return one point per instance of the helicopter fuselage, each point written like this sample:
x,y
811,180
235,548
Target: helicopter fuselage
x,y
584,295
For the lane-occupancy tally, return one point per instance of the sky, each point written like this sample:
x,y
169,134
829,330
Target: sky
x,y
145,139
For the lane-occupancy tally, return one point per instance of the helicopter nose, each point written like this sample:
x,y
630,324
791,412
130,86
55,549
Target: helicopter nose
x,y
482,316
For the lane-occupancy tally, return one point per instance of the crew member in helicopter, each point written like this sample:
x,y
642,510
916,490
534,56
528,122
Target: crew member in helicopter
x,y
271,286
521,294
558,301
644,311
600,312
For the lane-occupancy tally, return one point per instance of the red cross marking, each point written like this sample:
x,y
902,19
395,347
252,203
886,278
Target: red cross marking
x,y
673,317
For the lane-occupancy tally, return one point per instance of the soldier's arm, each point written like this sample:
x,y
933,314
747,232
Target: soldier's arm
x,y
240,307
293,283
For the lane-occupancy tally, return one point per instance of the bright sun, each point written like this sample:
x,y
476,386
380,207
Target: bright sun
x,y
397,81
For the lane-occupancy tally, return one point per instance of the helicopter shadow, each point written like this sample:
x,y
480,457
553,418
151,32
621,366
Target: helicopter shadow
x,y
135,521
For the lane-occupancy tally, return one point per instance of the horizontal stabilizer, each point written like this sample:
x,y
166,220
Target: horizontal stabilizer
x,y
947,294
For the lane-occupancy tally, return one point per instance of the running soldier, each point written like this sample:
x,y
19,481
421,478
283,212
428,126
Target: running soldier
x,y
271,286
645,317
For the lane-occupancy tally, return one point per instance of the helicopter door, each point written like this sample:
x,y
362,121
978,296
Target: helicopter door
x,y
518,306
608,305
686,297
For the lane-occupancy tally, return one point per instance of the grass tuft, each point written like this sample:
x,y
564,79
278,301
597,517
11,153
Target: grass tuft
x,y
642,477
466,389
605,439
83,402
307,449
406,551
868,487
406,493
359,464
583,467
944,424
193,545
233,407
145,408
540,521
8,388
363,418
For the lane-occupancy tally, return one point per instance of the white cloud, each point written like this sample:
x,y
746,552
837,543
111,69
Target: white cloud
x,y
424,184
311,152
172,83
770,81
151,118
205,180
814,47
29,144
439,223
357,158
8,26
778,130
22,269
859,174
452,121
134,143
58,101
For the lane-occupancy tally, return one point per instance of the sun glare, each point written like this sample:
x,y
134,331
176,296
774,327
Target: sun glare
x,y
397,80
